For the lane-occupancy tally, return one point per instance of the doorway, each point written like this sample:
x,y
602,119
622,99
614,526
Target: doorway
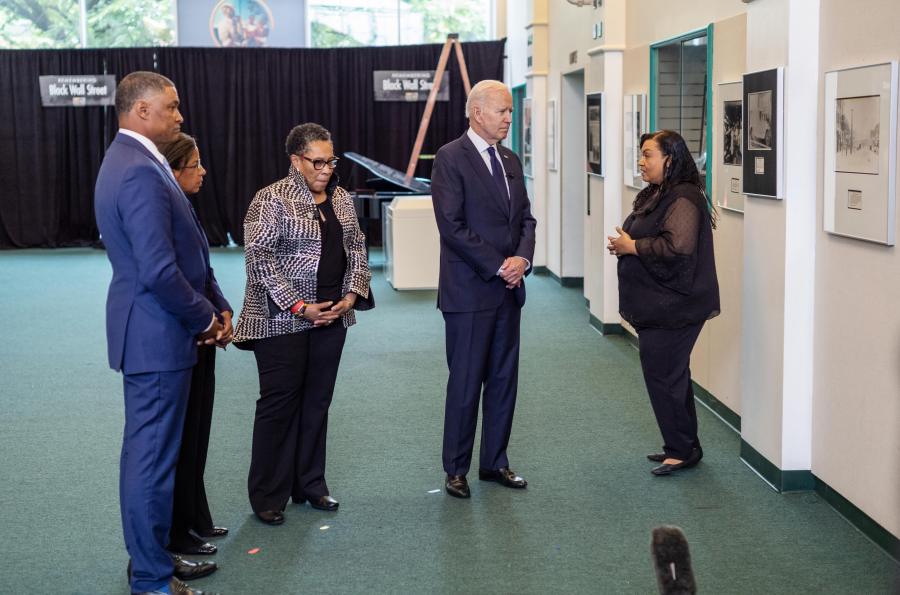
x,y
573,182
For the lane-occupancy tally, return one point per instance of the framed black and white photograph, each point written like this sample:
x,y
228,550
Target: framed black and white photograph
x,y
594,130
527,144
762,132
634,125
861,152
551,135
730,150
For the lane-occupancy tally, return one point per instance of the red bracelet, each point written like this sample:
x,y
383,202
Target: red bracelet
x,y
297,306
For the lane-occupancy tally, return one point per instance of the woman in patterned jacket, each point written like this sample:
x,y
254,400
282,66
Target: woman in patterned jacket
x,y
307,271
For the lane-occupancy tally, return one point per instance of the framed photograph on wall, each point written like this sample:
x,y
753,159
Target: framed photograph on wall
x,y
551,135
763,130
527,145
730,150
594,105
634,125
861,152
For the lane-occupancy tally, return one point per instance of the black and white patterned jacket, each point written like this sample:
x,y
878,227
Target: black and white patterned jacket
x,y
282,247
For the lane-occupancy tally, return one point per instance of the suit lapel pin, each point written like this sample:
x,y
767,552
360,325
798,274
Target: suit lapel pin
x,y
309,215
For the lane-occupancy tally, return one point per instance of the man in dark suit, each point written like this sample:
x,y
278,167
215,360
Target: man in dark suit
x,y
487,243
156,314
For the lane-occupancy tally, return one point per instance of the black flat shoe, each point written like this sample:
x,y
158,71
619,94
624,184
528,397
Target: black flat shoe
x,y
213,532
504,476
457,486
691,461
270,517
326,503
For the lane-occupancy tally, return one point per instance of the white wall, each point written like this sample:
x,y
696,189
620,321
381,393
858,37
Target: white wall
x,y
856,403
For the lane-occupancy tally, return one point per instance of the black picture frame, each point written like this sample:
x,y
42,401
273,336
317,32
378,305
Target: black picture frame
x,y
763,133
594,122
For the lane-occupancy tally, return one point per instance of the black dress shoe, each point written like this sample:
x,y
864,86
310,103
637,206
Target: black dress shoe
x,y
213,532
504,476
657,457
176,587
188,570
271,517
457,486
192,546
326,503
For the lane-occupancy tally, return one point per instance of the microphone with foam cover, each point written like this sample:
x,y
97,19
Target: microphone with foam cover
x,y
672,560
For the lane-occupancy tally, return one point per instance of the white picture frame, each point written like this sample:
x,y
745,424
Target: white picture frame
x,y
861,152
634,124
729,146
552,161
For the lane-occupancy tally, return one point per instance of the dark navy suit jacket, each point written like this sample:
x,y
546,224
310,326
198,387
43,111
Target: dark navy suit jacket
x,y
479,227
157,301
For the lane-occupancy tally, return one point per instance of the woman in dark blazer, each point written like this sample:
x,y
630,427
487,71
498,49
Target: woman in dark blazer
x,y
668,287
191,520
307,271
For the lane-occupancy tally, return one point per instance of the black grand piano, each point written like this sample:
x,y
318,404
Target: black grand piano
x,y
384,184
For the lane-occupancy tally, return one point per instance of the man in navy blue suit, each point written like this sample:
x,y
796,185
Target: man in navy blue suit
x,y
487,244
157,312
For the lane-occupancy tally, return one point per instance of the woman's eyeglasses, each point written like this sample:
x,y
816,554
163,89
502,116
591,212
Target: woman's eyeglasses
x,y
194,166
321,163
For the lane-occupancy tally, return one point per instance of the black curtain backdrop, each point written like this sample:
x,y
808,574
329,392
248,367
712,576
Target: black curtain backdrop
x,y
239,103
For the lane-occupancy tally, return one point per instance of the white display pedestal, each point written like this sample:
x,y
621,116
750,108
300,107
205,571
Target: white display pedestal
x,y
411,243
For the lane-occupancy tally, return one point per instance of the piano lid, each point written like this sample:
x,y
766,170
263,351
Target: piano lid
x,y
391,175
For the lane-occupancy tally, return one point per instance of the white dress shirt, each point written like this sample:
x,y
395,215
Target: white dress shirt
x,y
482,146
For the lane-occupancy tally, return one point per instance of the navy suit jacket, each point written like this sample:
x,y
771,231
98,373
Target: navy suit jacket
x,y
157,301
479,227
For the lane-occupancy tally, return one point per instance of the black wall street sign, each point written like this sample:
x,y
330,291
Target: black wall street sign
x,y
78,90
409,85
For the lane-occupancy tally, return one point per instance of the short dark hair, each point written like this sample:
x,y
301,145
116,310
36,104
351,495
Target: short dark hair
x,y
300,136
138,85
179,151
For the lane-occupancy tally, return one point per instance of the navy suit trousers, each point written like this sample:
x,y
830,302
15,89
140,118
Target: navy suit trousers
x,y
482,354
155,405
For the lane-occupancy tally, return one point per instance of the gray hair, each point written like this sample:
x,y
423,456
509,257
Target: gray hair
x,y
138,85
300,136
480,91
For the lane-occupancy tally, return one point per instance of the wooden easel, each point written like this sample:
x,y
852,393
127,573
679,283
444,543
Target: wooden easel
x,y
452,39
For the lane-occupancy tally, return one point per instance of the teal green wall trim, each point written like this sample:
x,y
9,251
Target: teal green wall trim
x,y
564,281
720,408
654,63
804,481
710,158
607,328
868,526
587,303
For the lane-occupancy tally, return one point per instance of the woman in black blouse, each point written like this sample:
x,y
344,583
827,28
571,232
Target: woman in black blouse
x,y
307,271
668,287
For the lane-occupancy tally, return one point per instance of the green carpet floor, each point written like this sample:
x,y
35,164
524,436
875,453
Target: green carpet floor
x,y
583,424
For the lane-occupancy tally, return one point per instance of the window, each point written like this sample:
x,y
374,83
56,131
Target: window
x,y
45,24
347,23
681,92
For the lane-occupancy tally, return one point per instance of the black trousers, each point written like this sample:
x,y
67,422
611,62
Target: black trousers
x,y
297,373
191,508
665,360
483,359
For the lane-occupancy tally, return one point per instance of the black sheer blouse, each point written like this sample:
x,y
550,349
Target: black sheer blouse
x,y
672,282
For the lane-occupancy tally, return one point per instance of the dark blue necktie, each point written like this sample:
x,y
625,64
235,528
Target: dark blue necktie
x,y
497,172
